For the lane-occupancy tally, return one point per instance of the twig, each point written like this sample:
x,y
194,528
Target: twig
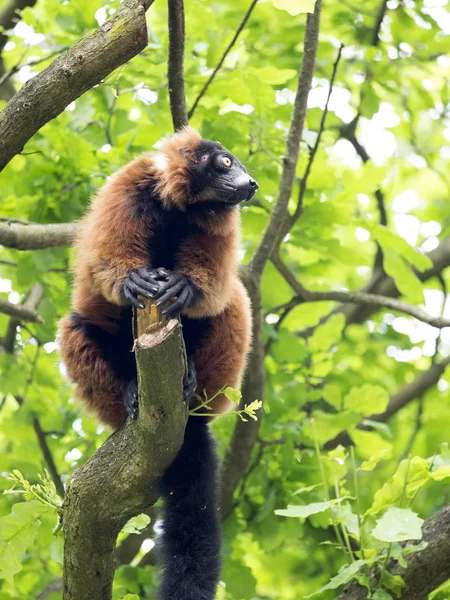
x,y
358,298
312,155
30,63
19,311
274,231
9,17
31,302
222,58
175,67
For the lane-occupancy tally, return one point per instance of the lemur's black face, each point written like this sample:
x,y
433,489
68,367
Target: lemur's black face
x,y
219,176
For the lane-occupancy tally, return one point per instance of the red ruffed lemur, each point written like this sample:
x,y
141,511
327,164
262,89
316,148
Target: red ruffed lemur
x,y
167,227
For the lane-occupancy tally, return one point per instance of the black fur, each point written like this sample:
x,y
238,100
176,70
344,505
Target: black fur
x,y
190,542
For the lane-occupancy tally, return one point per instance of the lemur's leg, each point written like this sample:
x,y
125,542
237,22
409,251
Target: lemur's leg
x,y
101,376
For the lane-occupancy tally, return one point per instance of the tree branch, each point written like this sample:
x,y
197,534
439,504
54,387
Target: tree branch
x,y
19,311
175,67
426,570
9,17
358,298
121,479
31,302
35,236
304,179
423,382
273,233
222,58
84,65
385,285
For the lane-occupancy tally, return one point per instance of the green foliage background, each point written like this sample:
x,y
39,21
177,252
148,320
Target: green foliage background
x,y
316,387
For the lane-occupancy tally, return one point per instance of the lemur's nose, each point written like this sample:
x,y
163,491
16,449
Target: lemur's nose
x,y
253,184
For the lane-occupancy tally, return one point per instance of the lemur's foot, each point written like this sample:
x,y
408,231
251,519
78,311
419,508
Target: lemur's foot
x,y
130,400
190,380
141,282
176,286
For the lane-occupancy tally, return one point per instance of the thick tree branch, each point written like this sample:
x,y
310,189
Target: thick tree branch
x,y
426,570
84,65
223,57
35,236
358,298
121,479
274,231
175,67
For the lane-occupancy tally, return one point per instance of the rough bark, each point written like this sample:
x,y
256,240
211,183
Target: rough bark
x,y
84,65
121,479
426,570
175,67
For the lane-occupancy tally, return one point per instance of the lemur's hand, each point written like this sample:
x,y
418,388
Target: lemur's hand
x,y
174,285
141,282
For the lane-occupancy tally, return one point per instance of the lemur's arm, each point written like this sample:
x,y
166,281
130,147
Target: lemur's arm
x,y
200,284
114,241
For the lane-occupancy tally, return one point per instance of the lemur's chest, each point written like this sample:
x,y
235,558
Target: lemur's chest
x,y
167,229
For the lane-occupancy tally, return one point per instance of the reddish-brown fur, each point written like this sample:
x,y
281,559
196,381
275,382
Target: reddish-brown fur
x,y
113,241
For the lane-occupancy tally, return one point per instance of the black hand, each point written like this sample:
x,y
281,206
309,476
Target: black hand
x,y
176,286
130,400
141,282
190,380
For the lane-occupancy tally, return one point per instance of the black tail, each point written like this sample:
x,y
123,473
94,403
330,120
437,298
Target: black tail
x,y
190,549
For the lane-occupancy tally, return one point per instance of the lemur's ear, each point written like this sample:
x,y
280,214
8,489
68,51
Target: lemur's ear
x,y
184,151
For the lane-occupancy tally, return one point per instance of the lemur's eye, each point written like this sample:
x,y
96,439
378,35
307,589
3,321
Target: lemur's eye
x,y
226,161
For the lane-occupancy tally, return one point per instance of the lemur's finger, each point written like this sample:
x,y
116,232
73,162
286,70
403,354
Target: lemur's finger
x,y
170,292
149,275
131,298
176,307
150,288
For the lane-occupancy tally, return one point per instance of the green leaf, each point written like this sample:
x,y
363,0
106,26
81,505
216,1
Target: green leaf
x,y
131,597
232,394
398,525
327,335
367,399
369,465
417,474
346,574
17,533
295,7
309,509
136,524
392,241
405,279
274,76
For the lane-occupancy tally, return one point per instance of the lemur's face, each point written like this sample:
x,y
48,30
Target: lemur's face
x,y
219,176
